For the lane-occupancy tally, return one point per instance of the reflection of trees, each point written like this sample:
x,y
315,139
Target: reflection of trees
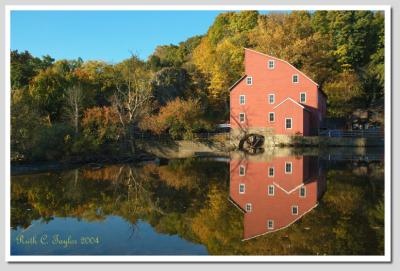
x,y
190,197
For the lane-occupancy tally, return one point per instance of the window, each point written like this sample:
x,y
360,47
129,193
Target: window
x,y
271,172
271,190
241,117
302,192
271,98
242,99
302,97
271,64
295,210
242,171
288,123
271,117
242,188
270,224
248,207
295,78
288,168
249,80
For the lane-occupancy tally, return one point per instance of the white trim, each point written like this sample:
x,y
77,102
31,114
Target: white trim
x,y
273,172
270,221
291,123
273,190
251,80
244,188
269,117
240,99
297,209
240,170
248,210
289,99
273,64
269,98
305,192
298,78
284,62
244,117
291,167
237,82
305,97
284,190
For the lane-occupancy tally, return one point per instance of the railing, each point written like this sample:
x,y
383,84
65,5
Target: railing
x,y
352,133
353,157
198,136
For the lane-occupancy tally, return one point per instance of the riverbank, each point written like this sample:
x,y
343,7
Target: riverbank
x,y
159,151
25,167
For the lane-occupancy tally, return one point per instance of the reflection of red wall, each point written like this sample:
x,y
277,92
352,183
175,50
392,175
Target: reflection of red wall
x,y
287,192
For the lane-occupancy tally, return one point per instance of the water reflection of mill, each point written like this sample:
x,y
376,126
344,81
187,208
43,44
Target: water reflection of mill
x,y
275,193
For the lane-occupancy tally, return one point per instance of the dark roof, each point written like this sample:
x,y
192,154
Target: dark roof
x,y
237,82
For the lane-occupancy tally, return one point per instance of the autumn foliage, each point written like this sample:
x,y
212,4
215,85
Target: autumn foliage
x,y
181,118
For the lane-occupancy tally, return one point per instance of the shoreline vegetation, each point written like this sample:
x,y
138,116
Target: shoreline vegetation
x,y
77,111
26,167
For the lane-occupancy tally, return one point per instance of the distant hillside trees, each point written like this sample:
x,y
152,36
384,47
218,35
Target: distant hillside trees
x,y
52,101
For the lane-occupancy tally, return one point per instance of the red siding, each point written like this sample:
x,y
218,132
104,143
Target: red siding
x,y
277,81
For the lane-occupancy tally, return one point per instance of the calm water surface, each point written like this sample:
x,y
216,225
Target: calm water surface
x,y
285,204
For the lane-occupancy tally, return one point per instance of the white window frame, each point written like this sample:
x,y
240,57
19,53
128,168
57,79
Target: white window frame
x,y
269,117
244,99
244,117
269,98
248,210
305,97
291,167
291,123
273,172
273,64
297,209
240,170
270,221
244,188
273,190
298,78
249,80
303,188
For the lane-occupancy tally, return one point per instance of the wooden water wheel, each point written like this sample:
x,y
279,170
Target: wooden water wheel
x,y
252,143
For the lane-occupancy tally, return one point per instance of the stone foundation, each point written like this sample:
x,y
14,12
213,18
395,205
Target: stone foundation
x,y
272,140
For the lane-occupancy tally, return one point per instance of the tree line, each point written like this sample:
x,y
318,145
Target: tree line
x,y
74,108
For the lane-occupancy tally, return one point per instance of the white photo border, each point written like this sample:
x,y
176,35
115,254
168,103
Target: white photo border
x,y
132,258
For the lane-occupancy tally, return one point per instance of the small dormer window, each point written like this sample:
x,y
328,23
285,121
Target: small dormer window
x,y
271,64
303,97
295,78
242,188
242,171
249,80
271,98
302,192
271,190
249,207
242,99
271,172
242,117
288,167
271,117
